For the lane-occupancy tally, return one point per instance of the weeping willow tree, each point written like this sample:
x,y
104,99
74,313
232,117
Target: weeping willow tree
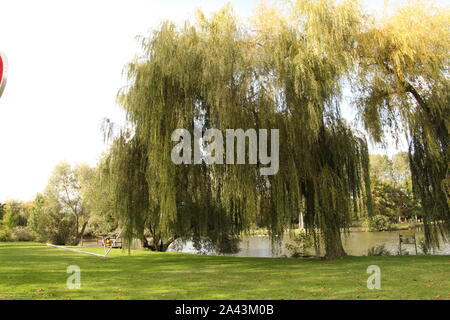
x,y
307,53
403,82
282,70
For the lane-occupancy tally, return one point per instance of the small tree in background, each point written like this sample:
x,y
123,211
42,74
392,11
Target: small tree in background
x,y
392,188
49,222
60,215
16,214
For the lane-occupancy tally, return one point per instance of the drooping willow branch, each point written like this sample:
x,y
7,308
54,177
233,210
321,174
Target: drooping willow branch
x,y
285,75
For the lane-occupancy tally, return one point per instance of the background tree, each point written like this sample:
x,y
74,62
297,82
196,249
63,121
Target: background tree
x,y
393,202
61,213
99,201
49,222
401,172
381,168
2,210
36,212
14,225
391,187
16,213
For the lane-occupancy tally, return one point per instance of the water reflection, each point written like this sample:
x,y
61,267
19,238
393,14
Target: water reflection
x,y
355,244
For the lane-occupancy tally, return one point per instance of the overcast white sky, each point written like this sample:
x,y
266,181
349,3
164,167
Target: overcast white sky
x,y
65,64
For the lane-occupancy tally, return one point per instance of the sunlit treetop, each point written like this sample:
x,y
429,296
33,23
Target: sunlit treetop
x,y
402,86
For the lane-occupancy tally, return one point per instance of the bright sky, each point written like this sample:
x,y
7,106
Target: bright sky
x,y
65,68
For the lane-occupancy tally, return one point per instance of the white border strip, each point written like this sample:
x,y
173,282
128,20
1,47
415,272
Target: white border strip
x,y
79,251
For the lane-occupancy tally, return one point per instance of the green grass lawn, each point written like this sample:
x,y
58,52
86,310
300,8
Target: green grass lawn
x,y
34,271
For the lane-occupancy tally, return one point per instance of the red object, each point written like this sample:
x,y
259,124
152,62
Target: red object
x,y
3,70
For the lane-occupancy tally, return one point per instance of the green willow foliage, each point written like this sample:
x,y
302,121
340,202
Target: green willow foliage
x,y
221,73
403,83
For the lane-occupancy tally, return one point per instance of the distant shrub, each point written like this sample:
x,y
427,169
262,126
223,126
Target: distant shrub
x,y
378,251
379,223
22,234
5,234
300,244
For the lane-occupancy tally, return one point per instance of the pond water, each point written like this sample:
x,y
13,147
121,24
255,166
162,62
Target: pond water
x,y
355,244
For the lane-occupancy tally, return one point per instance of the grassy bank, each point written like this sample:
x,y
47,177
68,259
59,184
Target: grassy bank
x,y
34,271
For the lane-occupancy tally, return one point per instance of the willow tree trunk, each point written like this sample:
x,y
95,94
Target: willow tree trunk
x,y
333,246
159,246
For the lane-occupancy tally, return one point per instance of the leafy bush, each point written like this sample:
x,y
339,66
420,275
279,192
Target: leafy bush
x,y
300,244
379,223
5,234
378,251
22,234
15,214
50,224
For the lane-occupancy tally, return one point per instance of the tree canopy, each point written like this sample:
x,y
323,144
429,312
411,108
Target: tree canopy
x,y
283,69
403,86
61,214
221,73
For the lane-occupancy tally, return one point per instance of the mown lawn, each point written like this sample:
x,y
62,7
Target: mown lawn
x,y
34,271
